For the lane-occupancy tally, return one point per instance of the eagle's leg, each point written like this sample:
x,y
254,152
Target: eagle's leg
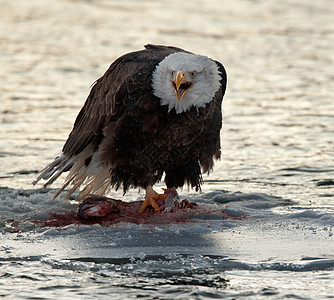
x,y
150,199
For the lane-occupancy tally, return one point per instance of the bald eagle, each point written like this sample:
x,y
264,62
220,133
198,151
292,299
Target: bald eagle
x,y
154,112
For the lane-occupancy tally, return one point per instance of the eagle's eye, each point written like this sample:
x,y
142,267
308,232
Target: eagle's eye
x,y
192,74
172,73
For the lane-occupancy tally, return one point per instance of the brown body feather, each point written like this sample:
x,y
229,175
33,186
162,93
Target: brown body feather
x,y
123,137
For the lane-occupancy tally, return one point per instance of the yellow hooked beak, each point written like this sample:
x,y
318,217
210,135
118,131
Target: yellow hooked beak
x,y
181,85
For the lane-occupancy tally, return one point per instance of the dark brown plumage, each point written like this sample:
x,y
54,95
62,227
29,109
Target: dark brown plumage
x,y
136,139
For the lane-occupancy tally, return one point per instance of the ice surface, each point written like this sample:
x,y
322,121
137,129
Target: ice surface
x,y
214,228
231,238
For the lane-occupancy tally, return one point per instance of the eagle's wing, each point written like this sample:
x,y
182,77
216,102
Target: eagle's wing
x,y
214,125
107,96
110,96
117,88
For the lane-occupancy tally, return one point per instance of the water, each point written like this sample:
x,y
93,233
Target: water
x,y
265,224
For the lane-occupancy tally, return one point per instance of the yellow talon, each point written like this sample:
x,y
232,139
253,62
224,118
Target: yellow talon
x,y
150,199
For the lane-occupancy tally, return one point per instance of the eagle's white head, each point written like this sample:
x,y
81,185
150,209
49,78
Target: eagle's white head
x,y
183,80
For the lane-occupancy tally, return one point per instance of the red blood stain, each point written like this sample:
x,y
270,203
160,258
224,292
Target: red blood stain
x,y
121,212
228,216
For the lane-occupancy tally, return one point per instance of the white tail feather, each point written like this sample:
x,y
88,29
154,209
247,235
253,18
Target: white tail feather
x,y
67,182
60,169
50,169
95,176
97,184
